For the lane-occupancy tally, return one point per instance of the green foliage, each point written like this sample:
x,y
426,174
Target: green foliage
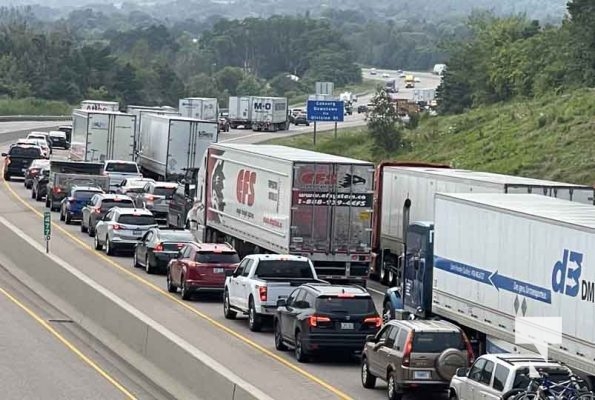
x,y
30,106
383,124
548,138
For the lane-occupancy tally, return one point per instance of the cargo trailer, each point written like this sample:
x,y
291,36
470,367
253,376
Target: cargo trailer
x,y
203,108
140,111
100,105
259,113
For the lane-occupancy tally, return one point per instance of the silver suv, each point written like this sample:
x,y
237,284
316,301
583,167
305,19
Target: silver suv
x,y
415,355
501,376
122,228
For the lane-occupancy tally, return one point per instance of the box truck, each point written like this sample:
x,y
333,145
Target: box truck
x,y
100,105
405,192
259,113
489,258
171,144
140,111
203,108
102,135
264,198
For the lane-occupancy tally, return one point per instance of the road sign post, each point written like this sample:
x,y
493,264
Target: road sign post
x,y
47,229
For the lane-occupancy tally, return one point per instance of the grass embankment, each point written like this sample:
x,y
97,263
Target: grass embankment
x,y
367,85
31,106
549,138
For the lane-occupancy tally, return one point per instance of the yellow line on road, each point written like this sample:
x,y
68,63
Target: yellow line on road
x,y
193,310
67,343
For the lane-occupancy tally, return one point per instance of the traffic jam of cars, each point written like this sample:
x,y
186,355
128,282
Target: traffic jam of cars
x,y
310,314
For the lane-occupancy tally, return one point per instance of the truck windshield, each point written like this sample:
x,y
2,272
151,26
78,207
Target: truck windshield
x,y
283,269
436,342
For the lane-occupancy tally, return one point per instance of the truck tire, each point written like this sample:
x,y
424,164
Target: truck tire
x,y
254,320
228,313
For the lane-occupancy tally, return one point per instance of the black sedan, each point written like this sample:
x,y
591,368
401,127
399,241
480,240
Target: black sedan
x,y
301,119
39,187
158,246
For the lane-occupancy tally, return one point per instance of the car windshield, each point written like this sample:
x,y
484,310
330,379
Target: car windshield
x,y
26,152
176,237
85,194
136,219
437,342
121,167
353,305
164,191
283,269
124,203
208,257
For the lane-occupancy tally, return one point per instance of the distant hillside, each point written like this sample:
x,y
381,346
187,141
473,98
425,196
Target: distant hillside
x,y
550,138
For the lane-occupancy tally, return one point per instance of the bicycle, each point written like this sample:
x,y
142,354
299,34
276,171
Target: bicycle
x,y
543,388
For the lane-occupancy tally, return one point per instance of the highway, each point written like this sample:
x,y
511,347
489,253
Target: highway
x,y
249,355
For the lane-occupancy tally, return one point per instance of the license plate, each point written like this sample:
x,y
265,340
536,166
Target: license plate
x,y
137,233
24,169
218,270
421,375
346,325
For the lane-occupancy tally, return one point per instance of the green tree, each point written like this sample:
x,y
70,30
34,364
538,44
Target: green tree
x,y
249,86
384,125
229,78
582,28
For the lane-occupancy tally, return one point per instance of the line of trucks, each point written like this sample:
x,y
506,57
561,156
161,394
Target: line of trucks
x,y
474,248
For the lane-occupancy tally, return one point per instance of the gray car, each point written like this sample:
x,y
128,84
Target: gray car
x,y
122,229
415,355
156,197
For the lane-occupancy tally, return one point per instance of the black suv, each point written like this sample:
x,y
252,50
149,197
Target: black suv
x,y
19,159
301,119
318,317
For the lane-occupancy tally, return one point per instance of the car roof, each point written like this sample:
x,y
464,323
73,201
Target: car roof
x,y
278,257
111,196
87,188
523,360
58,133
120,161
421,325
164,184
132,211
326,289
213,247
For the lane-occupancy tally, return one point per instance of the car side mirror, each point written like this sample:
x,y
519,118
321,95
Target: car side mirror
x,y
236,273
229,272
4,154
281,303
371,339
461,372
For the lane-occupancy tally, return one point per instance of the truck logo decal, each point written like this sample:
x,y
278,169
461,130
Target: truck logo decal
x,y
317,178
566,277
245,187
498,281
352,180
261,106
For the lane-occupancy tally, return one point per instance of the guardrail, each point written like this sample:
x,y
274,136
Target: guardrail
x,y
15,118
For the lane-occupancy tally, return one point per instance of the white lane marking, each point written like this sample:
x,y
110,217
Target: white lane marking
x,y
375,291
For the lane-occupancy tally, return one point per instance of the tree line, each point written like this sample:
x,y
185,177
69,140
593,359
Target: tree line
x,y
505,58
155,64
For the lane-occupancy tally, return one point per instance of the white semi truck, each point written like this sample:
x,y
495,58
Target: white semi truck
x,y
259,113
204,108
277,199
140,112
102,135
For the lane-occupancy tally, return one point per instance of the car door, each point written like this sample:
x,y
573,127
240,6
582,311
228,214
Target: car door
x,y
177,265
101,228
244,285
471,389
233,288
288,314
141,248
484,389
495,391
373,355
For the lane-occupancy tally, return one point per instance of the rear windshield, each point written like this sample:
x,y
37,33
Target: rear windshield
x,y
355,305
136,219
121,167
164,191
283,269
25,152
107,204
437,342
556,374
84,194
208,257
135,189
177,237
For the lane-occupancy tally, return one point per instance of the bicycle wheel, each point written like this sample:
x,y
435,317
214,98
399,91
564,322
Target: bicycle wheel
x,y
584,396
527,396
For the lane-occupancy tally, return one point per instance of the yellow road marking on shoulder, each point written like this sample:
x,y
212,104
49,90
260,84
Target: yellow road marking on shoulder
x,y
193,310
69,345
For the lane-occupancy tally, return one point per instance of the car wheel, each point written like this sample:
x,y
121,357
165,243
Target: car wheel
x,y
83,226
392,389
62,214
98,246
368,380
91,231
33,195
68,219
6,177
254,320
453,396
135,263
299,348
148,268
108,247
38,196
279,345
184,289
228,313
170,285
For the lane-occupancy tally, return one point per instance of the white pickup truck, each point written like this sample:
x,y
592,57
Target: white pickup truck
x,y
262,279
118,170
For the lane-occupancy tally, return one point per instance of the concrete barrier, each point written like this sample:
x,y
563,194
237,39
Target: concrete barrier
x,y
16,118
162,356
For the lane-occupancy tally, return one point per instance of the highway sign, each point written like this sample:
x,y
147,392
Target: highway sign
x,y
47,224
330,111
325,88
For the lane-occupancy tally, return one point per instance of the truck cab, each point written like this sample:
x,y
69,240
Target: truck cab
x,y
183,198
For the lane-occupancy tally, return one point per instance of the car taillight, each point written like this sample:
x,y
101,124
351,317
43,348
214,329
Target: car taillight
x,y
149,197
407,350
315,320
34,171
56,189
376,321
96,210
262,293
159,247
470,355
117,227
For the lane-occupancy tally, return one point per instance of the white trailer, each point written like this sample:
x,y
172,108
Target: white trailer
x,y
140,111
100,105
406,193
288,201
498,257
240,112
102,135
203,108
171,143
269,114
